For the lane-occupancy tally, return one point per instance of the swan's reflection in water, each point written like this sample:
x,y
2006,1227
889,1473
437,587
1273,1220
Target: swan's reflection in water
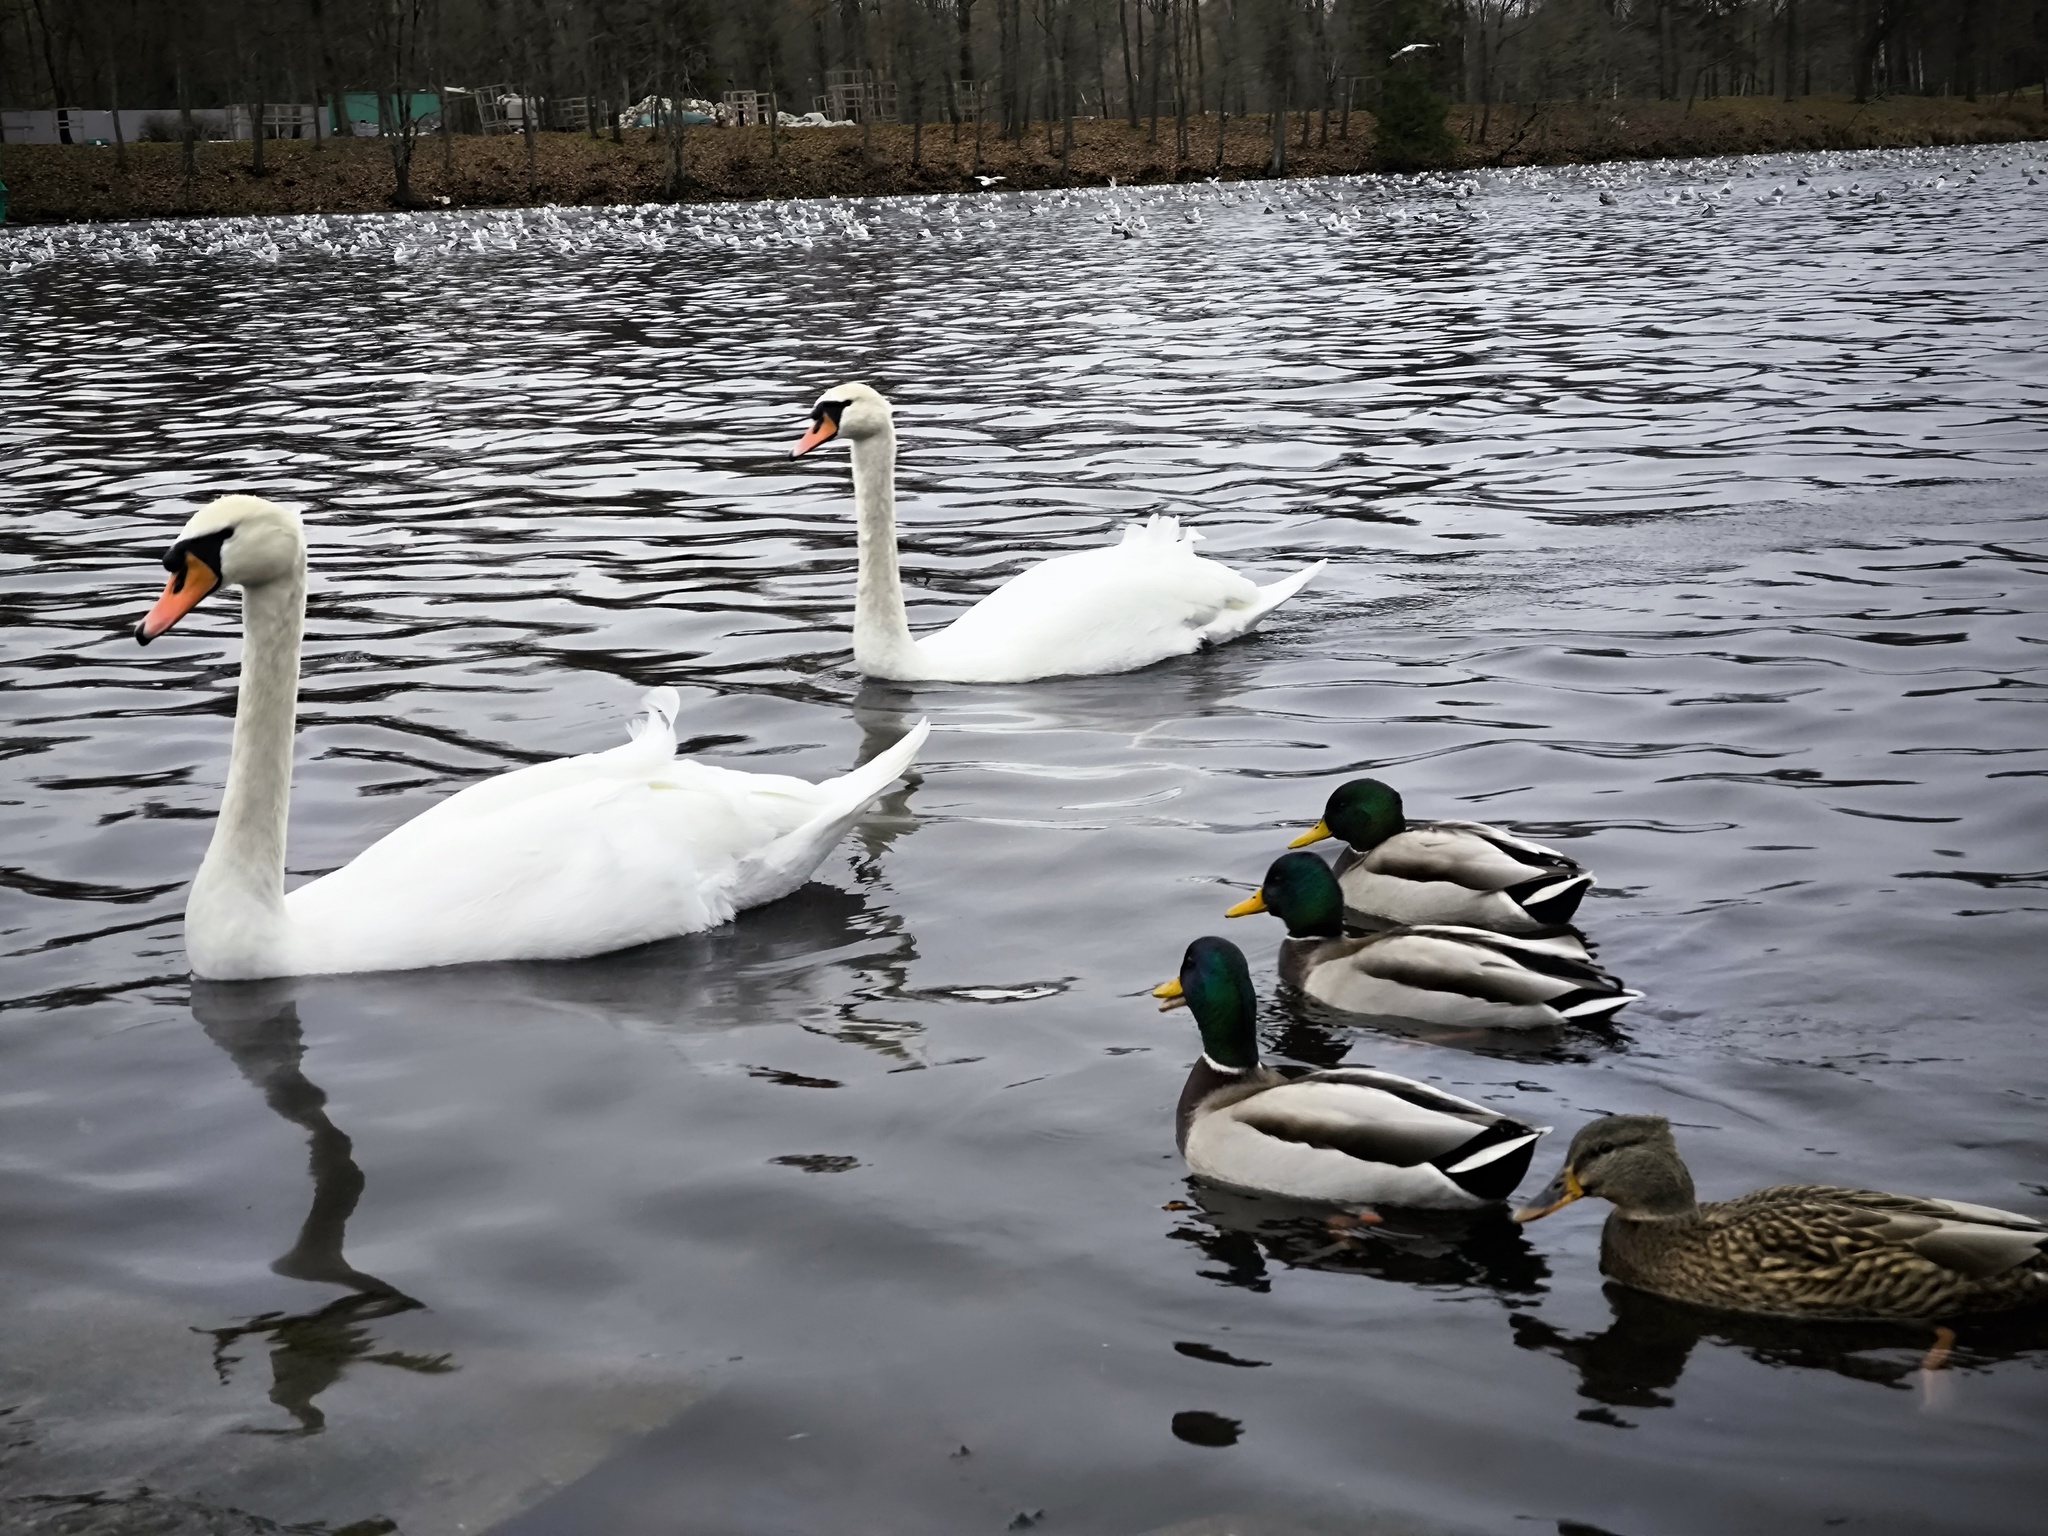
x,y
774,964
780,963
257,1024
1209,682
1247,1236
1637,1359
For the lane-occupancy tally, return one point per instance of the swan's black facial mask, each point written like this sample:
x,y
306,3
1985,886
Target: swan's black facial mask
x,y
824,426
194,565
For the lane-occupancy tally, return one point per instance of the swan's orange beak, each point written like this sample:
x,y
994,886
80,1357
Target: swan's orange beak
x,y
181,595
823,430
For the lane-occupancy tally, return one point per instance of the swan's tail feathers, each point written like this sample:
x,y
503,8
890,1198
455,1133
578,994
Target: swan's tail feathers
x,y
659,709
854,792
791,859
1233,622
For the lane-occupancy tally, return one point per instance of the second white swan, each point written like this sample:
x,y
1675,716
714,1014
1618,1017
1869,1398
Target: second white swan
x,y
1112,609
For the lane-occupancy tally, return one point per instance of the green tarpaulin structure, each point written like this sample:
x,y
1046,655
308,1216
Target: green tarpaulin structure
x,y
361,107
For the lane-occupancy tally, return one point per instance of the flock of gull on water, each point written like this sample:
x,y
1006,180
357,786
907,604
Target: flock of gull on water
x,y
1835,182
1446,922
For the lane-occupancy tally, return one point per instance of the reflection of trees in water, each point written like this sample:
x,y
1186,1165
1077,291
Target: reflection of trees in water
x,y
1249,1234
257,1024
1637,1360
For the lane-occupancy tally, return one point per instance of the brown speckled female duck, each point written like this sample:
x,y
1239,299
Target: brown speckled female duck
x,y
1795,1250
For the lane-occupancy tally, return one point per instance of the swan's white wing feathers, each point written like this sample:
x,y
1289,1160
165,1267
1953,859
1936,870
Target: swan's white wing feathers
x,y
1113,609
652,745
578,870
619,851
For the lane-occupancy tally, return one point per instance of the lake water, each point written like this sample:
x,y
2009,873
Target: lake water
x,y
1706,544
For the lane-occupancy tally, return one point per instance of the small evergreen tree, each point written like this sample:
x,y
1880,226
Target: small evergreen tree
x,y
1412,132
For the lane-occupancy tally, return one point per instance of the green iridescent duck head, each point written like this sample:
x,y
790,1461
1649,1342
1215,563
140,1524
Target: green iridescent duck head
x,y
1363,813
1216,986
1300,890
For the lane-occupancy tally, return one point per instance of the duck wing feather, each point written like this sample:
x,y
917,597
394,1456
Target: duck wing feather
x,y
1376,1117
1467,854
1822,1222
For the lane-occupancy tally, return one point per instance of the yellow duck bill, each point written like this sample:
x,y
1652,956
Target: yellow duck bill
x,y
1314,834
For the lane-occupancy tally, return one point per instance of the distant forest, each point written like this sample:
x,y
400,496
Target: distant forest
x,y
1013,62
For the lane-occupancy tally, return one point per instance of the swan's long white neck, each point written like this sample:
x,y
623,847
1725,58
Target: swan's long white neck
x,y
235,918
882,646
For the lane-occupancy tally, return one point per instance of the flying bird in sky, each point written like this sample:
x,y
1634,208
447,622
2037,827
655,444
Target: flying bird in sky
x,y
1411,48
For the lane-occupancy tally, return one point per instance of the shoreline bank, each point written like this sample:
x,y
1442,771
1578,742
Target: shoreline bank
x,y
52,184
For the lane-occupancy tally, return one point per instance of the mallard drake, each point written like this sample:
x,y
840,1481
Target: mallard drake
x,y
1437,973
1349,1135
1794,1250
1401,871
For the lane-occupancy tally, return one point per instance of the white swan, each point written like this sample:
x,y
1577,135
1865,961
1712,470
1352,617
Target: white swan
x,y
573,857
1112,609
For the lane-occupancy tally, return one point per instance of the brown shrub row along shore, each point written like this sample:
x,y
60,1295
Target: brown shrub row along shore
x,y
66,183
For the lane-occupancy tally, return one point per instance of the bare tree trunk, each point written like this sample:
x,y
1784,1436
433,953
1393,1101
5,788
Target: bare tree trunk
x,y
1278,165
186,132
59,91
1180,83
114,92
1066,85
963,10
917,121
1054,76
1966,47
1223,54
526,129
1123,20
1152,89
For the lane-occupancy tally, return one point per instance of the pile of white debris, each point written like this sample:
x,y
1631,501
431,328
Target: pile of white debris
x,y
653,111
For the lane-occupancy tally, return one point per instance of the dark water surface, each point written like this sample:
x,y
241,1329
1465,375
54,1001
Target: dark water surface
x,y
1707,544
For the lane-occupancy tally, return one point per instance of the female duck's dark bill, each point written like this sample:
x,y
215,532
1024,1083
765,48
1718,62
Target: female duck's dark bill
x,y
195,571
1559,1193
824,427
